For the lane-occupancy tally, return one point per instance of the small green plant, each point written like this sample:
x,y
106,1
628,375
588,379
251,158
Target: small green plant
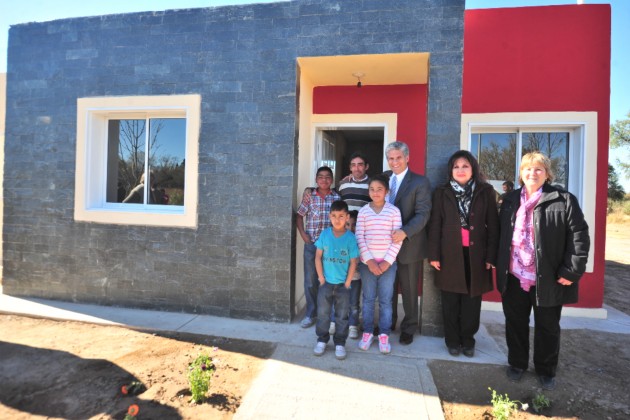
x,y
133,388
539,402
502,405
199,375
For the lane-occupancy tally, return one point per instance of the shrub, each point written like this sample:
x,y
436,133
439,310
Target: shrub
x,y
502,405
199,375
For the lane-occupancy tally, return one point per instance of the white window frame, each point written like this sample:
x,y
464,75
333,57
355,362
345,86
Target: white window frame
x,y
93,115
582,128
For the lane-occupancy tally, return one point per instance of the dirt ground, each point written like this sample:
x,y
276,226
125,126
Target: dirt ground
x,y
72,370
52,369
593,374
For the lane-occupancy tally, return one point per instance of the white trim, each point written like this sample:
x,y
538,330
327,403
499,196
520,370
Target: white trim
x,y
583,150
92,117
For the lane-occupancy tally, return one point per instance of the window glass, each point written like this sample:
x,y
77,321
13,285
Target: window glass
x,y
128,165
496,153
555,146
498,160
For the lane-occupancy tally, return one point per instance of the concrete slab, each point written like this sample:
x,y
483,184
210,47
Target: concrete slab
x,y
107,315
297,384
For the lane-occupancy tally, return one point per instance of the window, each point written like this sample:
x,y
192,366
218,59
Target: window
x,y
569,139
499,153
137,160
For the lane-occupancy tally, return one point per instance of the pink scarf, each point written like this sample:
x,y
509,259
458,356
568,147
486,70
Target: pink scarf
x,y
523,246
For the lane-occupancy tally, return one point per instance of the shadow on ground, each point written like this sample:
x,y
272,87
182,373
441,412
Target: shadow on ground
x,y
44,382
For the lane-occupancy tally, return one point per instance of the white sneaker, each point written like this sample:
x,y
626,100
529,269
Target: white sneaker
x,y
320,348
366,341
383,344
340,352
331,329
353,332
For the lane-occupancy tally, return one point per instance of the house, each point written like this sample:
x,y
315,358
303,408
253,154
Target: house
x,y
156,159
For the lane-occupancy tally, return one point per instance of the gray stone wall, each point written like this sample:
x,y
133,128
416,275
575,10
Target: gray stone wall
x,y
239,262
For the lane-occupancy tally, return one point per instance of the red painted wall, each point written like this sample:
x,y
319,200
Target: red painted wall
x,y
545,59
408,101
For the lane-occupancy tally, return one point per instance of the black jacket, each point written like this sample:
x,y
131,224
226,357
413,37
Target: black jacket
x,y
445,240
561,240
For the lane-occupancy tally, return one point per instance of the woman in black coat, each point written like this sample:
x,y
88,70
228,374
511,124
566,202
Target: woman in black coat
x,y
543,249
463,237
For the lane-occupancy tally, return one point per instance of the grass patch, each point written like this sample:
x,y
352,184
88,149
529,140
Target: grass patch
x,y
618,212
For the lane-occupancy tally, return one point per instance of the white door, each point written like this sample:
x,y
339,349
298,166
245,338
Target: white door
x,y
325,151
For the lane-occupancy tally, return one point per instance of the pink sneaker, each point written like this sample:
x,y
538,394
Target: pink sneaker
x,y
383,344
366,341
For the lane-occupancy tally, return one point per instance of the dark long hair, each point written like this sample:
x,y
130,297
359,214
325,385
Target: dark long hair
x,y
477,176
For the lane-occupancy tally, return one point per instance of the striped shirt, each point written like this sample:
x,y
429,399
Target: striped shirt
x,y
355,193
374,233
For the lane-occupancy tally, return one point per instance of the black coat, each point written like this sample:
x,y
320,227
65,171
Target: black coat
x,y
445,240
561,241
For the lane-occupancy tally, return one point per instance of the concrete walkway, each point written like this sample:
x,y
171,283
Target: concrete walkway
x,y
296,384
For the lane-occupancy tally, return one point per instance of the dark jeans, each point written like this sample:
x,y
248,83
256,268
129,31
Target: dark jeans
x,y
461,313
355,303
339,296
311,283
517,306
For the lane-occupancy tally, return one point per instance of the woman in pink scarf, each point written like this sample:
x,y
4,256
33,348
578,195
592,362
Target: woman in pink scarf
x,y
543,248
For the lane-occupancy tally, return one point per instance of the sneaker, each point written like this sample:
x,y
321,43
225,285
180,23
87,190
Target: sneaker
x,y
340,352
383,344
366,341
353,332
307,322
331,329
320,348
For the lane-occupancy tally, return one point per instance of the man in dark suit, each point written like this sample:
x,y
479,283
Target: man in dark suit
x,y
411,193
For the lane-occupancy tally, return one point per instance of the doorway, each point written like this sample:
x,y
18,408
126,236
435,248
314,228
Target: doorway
x,y
335,146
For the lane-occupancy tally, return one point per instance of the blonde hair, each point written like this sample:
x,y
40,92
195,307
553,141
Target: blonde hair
x,y
536,158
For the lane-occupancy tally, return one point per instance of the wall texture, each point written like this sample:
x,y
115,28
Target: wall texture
x,y
242,61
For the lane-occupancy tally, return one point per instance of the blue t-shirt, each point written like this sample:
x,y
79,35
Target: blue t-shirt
x,y
337,254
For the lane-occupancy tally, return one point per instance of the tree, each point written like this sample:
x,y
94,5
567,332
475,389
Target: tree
x,y
620,138
497,161
615,191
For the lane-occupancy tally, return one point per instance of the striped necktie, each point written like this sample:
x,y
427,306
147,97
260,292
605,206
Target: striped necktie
x,y
393,189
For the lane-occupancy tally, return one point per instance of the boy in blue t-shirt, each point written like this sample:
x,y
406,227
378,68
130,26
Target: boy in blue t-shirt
x,y
335,262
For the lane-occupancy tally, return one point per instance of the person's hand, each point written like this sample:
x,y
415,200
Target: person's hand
x,y
374,268
307,239
384,265
348,284
435,264
398,235
564,281
489,266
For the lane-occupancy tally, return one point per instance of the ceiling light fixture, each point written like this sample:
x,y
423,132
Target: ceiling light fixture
x,y
359,75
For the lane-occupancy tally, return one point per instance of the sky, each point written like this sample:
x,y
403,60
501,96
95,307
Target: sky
x,y
44,10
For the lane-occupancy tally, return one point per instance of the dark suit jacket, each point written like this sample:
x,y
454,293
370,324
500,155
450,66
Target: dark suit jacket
x,y
413,199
